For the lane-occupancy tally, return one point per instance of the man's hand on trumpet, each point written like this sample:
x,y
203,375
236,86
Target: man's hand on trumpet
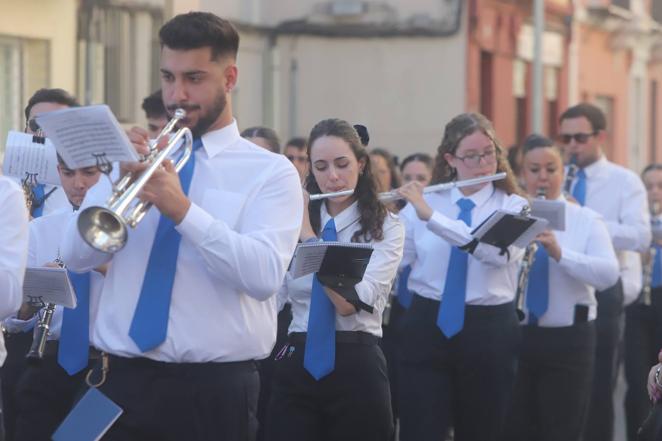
x,y
164,189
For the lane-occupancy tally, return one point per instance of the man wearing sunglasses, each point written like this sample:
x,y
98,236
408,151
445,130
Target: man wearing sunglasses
x,y
619,195
48,198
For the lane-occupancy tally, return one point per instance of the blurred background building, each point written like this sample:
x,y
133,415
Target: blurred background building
x,y
402,68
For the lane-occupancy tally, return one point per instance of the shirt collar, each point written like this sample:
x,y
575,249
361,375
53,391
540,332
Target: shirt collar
x,y
597,167
218,140
478,198
343,219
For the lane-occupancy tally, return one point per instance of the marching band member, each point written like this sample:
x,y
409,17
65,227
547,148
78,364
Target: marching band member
x,y
460,335
330,380
155,113
47,389
13,258
643,327
188,306
296,150
48,198
555,368
620,197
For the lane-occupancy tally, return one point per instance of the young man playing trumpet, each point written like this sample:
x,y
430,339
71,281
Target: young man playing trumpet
x,y
47,388
188,305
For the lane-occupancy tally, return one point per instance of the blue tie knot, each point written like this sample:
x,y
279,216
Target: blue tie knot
x,y
466,205
329,231
581,174
197,143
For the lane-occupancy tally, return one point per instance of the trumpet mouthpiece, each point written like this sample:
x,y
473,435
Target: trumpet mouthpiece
x,y
180,113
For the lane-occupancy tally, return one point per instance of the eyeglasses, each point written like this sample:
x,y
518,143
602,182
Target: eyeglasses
x,y
298,158
473,160
580,138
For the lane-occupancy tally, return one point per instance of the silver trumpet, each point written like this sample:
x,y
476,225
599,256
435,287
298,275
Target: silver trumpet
x,y
648,268
43,328
393,195
527,263
105,228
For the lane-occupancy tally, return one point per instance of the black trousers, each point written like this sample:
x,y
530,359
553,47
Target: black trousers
x,y
353,403
553,382
609,327
643,340
15,365
465,382
266,369
182,401
45,394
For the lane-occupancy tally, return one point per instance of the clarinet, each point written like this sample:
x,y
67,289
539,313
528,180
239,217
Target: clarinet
x,y
648,269
525,266
42,330
570,176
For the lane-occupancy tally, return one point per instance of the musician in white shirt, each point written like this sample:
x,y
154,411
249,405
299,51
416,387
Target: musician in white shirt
x,y
13,257
183,335
620,197
460,335
558,340
348,396
46,390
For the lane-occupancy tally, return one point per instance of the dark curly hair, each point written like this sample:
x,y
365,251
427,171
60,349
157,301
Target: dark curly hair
x,y
456,130
371,210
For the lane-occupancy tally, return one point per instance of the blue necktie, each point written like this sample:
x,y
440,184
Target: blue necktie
x,y
320,353
38,203
404,295
149,325
656,278
450,318
73,351
537,293
579,192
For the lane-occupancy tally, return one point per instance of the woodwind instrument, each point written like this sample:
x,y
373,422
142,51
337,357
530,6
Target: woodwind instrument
x,y
43,328
570,175
525,266
648,268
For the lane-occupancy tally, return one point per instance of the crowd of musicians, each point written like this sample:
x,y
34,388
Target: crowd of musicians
x,y
197,330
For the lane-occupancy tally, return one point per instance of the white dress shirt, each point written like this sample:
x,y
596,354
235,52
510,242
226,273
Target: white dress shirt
x,y
237,238
588,262
631,276
373,290
13,250
620,197
43,248
491,277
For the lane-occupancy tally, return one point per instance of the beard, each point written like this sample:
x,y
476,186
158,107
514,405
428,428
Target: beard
x,y
206,119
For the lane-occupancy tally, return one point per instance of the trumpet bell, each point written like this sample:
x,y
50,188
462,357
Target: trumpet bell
x,y
102,229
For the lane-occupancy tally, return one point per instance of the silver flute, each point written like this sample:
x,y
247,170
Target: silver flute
x,y
393,195
527,263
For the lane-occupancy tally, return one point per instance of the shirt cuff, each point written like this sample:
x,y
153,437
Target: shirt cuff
x,y
195,224
569,258
13,325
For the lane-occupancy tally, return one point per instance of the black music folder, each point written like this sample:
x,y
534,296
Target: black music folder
x,y
339,266
503,229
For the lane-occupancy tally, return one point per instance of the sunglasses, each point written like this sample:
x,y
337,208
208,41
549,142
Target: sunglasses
x,y
580,138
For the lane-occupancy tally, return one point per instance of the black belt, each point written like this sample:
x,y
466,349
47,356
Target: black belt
x,y
352,337
142,363
52,347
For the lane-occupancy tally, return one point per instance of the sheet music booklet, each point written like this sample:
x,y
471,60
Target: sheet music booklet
x,y
48,285
90,418
550,210
339,266
87,136
29,156
503,229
